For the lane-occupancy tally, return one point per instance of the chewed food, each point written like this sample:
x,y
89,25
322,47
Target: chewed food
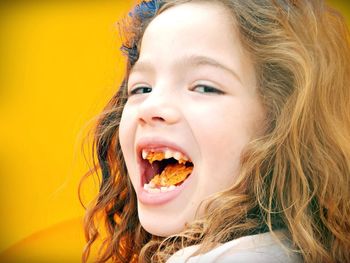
x,y
172,175
159,156
155,156
166,168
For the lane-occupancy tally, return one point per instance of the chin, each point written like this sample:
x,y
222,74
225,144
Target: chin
x,y
161,226
163,230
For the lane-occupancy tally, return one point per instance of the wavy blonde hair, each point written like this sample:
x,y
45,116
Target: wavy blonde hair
x,y
295,177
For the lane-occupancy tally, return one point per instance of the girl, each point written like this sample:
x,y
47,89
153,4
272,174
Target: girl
x,y
228,140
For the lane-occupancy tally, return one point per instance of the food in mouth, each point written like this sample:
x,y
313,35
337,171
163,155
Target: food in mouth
x,y
165,170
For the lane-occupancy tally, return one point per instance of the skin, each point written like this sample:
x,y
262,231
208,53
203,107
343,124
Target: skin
x,y
184,48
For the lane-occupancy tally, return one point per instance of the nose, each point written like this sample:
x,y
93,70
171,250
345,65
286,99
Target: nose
x,y
159,108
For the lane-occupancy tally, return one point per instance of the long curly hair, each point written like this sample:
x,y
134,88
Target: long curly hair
x,y
295,177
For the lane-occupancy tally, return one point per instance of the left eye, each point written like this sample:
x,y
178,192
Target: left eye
x,y
206,89
140,90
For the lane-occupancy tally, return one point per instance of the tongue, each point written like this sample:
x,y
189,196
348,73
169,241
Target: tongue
x,y
173,174
151,170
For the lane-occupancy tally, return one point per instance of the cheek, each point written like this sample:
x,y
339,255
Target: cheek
x,y
123,127
126,130
221,128
222,134
127,136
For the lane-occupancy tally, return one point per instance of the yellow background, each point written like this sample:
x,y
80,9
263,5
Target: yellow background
x,y
59,64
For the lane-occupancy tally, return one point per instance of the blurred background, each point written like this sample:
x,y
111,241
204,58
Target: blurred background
x,y
59,64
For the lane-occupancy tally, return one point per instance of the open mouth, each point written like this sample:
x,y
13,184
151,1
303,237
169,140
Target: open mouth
x,y
164,170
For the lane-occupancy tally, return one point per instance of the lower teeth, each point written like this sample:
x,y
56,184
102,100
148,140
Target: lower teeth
x,y
151,188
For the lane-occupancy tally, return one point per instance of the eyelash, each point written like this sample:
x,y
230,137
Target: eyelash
x,y
208,89
138,89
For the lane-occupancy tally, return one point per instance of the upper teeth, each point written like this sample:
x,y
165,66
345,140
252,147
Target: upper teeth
x,y
144,154
167,154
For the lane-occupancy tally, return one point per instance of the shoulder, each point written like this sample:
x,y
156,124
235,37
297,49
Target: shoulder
x,y
256,248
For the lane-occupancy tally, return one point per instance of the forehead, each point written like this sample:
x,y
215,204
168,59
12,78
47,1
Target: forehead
x,y
191,25
192,30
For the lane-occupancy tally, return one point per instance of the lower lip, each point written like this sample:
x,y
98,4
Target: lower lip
x,y
161,198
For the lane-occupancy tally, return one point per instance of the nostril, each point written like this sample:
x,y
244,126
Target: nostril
x,y
157,119
142,121
158,114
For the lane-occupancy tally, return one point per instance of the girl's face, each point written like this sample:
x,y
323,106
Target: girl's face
x,y
192,91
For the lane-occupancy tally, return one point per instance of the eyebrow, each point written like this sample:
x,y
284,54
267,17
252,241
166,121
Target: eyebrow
x,y
196,60
191,60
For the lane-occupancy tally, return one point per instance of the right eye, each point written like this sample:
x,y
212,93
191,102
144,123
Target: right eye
x,y
140,90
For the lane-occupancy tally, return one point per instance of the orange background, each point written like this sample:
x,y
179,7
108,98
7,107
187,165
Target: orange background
x,y
59,65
